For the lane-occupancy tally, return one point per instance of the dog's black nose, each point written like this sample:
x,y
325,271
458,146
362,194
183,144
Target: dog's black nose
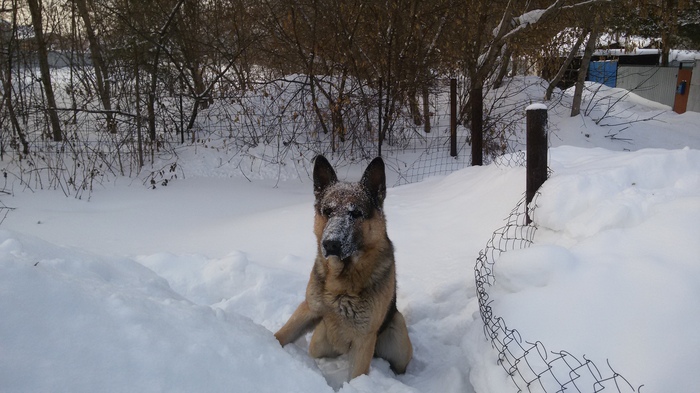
x,y
332,247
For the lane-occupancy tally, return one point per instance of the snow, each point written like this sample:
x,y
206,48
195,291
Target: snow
x,y
536,106
675,55
78,322
624,250
180,288
531,17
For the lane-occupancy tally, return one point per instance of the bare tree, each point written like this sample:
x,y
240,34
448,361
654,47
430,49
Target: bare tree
x,y
565,65
42,51
100,64
485,42
347,47
209,40
8,45
583,70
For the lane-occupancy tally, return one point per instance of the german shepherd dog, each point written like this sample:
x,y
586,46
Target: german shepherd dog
x,y
351,296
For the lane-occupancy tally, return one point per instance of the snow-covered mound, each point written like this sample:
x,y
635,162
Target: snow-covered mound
x,y
614,271
76,322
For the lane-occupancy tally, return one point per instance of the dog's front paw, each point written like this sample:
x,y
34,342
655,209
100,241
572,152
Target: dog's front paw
x,y
277,336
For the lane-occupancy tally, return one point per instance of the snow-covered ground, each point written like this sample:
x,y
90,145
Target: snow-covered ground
x,y
179,289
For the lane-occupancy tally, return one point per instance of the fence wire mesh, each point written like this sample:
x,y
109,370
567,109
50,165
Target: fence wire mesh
x,y
435,160
532,367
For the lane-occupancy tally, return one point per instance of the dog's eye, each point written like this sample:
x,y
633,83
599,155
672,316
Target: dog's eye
x,y
327,211
355,214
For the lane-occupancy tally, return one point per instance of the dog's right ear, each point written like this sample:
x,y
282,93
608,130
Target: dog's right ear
x,y
374,180
324,175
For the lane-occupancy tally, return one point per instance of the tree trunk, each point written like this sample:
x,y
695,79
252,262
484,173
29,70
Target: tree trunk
x,y
337,109
583,70
200,88
11,112
6,76
137,78
426,109
503,70
669,20
562,70
412,97
665,48
101,71
151,101
35,10
188,30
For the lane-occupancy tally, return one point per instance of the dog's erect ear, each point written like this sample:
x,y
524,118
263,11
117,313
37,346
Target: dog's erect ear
x,y
324,175
374,180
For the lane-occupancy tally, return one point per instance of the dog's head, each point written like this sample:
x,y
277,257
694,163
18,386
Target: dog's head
x,y
349,217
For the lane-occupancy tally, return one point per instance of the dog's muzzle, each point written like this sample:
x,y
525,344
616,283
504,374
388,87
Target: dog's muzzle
x,y
337,239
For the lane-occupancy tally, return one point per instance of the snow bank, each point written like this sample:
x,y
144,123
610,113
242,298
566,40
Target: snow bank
x,y
613,190
613,274
76,322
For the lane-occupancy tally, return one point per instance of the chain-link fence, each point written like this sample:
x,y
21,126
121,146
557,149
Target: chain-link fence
x,y
274,122
531,366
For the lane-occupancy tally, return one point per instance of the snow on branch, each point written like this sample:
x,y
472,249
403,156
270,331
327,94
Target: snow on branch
x,y
532,17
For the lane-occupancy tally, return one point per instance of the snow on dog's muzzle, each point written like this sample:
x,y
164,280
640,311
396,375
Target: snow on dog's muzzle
x,y
337,239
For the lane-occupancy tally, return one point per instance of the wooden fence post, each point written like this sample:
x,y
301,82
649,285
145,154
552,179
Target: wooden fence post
x,y
453,117
476,99
536,152
380,134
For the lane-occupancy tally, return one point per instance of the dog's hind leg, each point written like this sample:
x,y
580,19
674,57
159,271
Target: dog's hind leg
x,y
394,346
301,321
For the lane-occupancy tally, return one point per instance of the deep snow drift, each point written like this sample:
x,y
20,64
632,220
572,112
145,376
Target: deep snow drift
x,y
180,288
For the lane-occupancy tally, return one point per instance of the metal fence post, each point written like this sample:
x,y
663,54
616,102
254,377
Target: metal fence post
x,y
536,152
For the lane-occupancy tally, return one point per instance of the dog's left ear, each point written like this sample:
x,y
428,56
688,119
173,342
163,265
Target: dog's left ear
x,y
374,180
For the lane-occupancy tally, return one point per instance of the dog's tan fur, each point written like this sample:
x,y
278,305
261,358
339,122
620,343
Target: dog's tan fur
x,y
351,299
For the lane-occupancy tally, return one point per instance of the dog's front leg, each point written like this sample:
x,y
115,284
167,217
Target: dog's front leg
x,y
361,353
301,321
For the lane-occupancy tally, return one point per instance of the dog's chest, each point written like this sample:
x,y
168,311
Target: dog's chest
x,y
351,309
343,295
